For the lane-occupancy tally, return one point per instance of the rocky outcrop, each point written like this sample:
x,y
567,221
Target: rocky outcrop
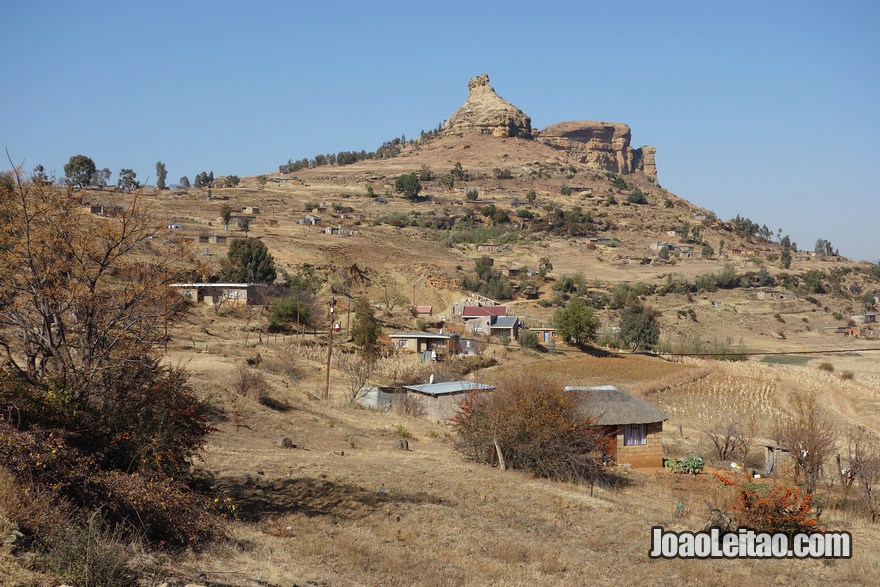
x,y
485,112
604,145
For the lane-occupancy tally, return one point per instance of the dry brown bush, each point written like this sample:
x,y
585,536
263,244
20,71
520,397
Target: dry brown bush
x,y
529,422
825,366
285,362
249,383
847,375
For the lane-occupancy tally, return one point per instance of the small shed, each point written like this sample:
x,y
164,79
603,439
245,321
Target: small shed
x,y
439,401
776,459
310,220
633,424
377,397
422,310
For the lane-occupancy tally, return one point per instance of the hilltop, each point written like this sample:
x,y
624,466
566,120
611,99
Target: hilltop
x,y
575,193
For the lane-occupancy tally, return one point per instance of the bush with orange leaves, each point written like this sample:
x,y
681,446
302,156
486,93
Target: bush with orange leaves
x,y
530,423
764,508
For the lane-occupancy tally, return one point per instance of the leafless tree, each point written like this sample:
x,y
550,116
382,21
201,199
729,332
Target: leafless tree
x,y
810,436
357,368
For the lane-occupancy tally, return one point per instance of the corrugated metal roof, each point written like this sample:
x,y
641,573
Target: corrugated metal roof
x,y
423,309
609,406
448,387
505,322
420,335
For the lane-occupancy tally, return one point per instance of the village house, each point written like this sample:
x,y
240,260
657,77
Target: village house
x,y
422,310
430,345
440,401
338,230
632,424
769,295
102,210
505,326
864,318
490,248
310,220
660,248
290,180
468,312
250,210
239,294
546,335
511,272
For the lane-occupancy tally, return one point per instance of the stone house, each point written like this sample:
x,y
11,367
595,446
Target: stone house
x,y
239,294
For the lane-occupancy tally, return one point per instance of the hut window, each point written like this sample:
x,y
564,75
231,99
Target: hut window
x,y
635,434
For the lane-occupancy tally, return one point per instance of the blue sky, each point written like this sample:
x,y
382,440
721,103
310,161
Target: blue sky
x,y
765,109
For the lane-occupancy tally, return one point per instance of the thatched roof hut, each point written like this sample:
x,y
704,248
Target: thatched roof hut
x,y
609,406
632,423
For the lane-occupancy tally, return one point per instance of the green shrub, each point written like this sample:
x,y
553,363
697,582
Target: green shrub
x,y
527,339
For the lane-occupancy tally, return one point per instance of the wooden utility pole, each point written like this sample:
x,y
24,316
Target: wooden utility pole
x,y
329,351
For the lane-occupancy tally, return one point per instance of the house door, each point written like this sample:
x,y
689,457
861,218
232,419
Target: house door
x,y
546,336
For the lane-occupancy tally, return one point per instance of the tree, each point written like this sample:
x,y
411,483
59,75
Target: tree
x,y
82,322
544,266
161,175
184,183
261,181
40,173
785,258
472,195
78,171
636,197
365,328
809,434
231,181
576,322
244,224
127,181
824,248
531,195
204,180
248,261
638,327
292,309
529,422
408,184
226,215
565,190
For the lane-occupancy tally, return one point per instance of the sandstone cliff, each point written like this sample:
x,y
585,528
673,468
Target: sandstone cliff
x,y
485,112
601,145
604,145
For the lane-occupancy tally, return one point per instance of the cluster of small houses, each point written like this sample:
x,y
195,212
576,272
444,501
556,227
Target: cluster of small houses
x,y
632,423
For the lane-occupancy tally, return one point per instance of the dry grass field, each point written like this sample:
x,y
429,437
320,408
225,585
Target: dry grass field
x,y
345,508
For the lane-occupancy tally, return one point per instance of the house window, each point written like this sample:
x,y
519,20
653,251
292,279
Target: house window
x,y
232,294
635,434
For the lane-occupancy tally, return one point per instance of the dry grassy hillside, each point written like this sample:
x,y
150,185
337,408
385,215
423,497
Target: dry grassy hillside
x,y
345,508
